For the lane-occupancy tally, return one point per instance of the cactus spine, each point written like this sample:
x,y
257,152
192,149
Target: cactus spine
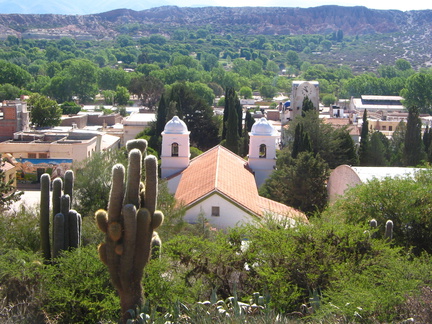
x,y
129,224
66,229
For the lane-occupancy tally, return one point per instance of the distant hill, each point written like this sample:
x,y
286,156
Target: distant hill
x,y
75,7
251,20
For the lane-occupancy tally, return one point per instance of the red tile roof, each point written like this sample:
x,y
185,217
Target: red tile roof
x,y
220,170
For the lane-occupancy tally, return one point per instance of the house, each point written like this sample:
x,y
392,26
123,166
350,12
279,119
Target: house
x,y
53,151
9,172
136,123
14,117
353,129
344,177
219,184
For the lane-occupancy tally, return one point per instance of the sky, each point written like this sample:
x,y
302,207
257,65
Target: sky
x,y
372,4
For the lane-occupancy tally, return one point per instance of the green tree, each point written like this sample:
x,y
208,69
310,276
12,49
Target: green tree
x,y
81,79
232,141
44,112
402,65
413,153
397,143
196,113
333,145
268,91
396,199
377,150
232,102
9,92
148,89
364,141
328,100
121,96
13,74
70,108
301,141
300,183
417,92
307,105
93,180
293,59
245,92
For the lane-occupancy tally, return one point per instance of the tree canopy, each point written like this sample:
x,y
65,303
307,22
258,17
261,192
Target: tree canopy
x,y
44,112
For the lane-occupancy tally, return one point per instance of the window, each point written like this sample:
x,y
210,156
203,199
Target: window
x,y
32,156
262,151
43,155
215,211
1,114
174,149
383,128
390,128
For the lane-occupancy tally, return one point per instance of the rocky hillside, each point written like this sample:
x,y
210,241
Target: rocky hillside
x,y
251,20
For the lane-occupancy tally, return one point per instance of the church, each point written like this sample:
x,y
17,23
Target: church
x,y
220,185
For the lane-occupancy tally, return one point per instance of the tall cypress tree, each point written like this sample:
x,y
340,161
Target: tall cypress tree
x,y
302,141
232,136
161,116
307,105
232,102
364,141
413,150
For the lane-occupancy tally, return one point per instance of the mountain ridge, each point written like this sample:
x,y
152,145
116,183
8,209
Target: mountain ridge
x,y
357,20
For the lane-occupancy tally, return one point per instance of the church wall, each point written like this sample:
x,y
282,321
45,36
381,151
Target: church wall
x,y
230,214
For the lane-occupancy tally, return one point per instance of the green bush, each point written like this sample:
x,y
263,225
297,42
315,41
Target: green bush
x,y
20,229
405,201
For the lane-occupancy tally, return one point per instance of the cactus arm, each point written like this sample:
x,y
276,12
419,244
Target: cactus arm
x,y
134,178
151,185
129,240
74,228
68,184
142,254
116,193
58,240
45,215
56,195
64,209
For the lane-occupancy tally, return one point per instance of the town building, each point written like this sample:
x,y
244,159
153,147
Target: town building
x,y
219,184
344,177
376,103
14,117
135,123
53,151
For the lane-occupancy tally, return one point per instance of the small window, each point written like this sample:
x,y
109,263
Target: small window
x,y
262,151
43,155
174,149
215,211
1,114
32,155
384,128
390,128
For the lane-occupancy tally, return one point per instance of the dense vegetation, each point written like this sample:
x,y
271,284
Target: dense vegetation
x,y
336,268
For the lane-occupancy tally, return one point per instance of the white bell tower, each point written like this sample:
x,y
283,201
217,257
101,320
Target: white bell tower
x,y
262,150
175,147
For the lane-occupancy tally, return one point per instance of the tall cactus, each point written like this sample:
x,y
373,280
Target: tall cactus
x,y
389,230
129,224
66,228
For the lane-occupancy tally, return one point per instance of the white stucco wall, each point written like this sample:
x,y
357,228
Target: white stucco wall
x,y
230,214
